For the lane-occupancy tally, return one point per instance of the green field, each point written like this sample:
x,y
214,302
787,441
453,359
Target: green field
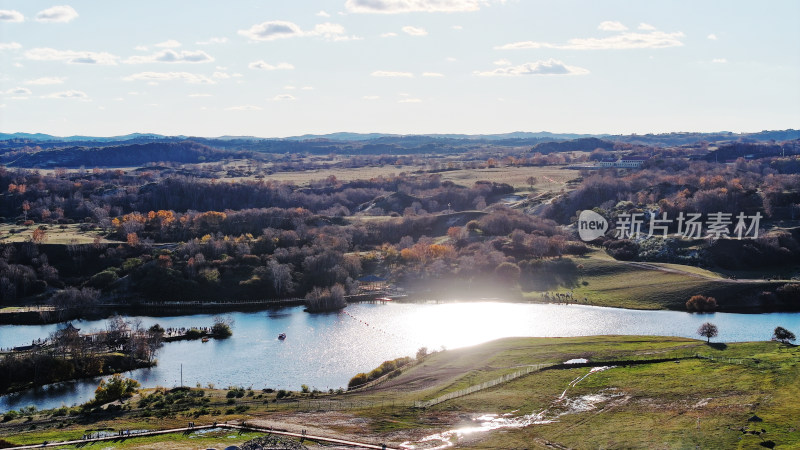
x,y
604,281
685,401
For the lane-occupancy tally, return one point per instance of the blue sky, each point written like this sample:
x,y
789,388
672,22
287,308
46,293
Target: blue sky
x,y
275,68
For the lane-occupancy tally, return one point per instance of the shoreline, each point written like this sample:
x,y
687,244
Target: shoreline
x,y
174,309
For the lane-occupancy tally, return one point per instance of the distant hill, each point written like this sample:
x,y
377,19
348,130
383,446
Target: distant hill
x,y
576,145
51,138
473,137
43,150
114,156
753,150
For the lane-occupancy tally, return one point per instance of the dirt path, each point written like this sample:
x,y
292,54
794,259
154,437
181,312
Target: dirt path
x,y
247,426
652,266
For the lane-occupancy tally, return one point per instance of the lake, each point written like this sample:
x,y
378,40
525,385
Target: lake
x,y
324,351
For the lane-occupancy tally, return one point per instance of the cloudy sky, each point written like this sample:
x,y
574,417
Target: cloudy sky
x,y
275,68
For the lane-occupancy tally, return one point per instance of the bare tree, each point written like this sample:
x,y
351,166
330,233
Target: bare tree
x,y
708,330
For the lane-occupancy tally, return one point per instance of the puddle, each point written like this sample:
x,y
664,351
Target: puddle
x,y
112,433
487,422
205,431
577,361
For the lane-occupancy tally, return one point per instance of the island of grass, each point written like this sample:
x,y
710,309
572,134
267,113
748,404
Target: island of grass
x,y
630,392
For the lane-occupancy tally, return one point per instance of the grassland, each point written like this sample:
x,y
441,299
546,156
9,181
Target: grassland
x,y
54,234
604,281
548,178
683,402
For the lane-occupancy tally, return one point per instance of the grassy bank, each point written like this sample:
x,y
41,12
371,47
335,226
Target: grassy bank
x,y
684,402
604,281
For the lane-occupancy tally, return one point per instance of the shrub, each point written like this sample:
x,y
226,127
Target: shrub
x,y
116,388
194,333
622,249
221,329
357,380
701,303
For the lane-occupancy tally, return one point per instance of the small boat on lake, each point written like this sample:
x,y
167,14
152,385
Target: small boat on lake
x,y
205,339
282,336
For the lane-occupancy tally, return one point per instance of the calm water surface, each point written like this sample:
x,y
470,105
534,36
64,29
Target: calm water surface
x,y
325,350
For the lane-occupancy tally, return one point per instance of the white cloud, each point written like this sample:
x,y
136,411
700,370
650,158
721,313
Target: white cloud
x,y
410,100
71,57
262,65
279,29
244,108
213,40
141,48
307,88
370,97
654,39
609,25
171,56
549,67
170,76
502,62
46,80
221,75
71,94
284,97
645,27
432,74
407,6
389,34
457,27
719,60
199,95
10,15
450,59
17,91
269,31
386,73
172,43
331,32
712,36
414,31
61,14
322,13
10,45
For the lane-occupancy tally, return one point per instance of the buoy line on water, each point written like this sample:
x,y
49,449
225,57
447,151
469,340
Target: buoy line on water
x,y
381,330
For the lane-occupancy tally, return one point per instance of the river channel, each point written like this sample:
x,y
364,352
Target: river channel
x,y
324,351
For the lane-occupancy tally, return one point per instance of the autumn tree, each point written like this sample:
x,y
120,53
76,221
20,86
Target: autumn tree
x,y
701,303
39,235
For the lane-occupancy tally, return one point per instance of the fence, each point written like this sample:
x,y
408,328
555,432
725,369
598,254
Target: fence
x,y
479,387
